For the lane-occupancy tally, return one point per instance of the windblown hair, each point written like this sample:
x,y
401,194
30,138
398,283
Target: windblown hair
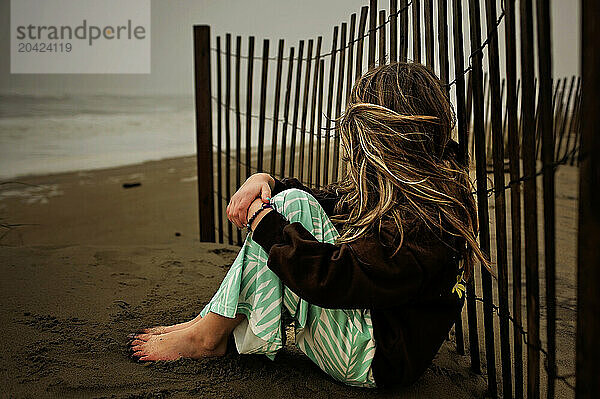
x,y
402,163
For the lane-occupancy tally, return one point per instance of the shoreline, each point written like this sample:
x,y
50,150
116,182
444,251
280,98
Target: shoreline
x,y
90,170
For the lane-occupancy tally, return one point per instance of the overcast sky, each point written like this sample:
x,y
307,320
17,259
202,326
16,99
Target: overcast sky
x,y
171,33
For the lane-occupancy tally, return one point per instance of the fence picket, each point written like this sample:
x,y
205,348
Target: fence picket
x,y
328,130
313,105
382,37
429,49
530,201
349,74
459,61
403,30
228,130
305,109
238,121
482,204
372,32
219,145
319,123
204,159
361,41
296,107
338,103
416,25
512,94
286,112
249,85
263,105
276,104
588,274
548,157
443,40
393,30
499,197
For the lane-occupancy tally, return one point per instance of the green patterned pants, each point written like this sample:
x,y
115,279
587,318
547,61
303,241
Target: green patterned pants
x,y
339,341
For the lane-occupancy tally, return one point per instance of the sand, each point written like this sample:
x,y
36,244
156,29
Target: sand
x,y
93,261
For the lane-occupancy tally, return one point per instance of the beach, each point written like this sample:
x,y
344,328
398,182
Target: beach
x,y
92,261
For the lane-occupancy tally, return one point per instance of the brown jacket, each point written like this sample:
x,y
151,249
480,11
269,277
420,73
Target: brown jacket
x,y
409,294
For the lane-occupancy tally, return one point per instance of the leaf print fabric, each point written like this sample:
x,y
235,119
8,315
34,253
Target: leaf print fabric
x,y
339,341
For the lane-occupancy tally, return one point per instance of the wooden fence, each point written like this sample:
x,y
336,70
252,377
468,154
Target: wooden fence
x,y
505,122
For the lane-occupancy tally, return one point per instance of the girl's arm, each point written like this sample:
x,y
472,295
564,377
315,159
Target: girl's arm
x,y
264,186
361,274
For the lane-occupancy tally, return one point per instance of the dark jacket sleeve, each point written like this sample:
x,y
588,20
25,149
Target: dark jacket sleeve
x,y
287,183
326,198
361,274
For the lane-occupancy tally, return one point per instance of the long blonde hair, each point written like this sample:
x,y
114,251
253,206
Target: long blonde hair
x,y
402,164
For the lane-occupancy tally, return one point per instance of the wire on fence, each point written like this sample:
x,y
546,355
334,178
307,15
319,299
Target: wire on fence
x,y
563,160
254,169
282,121
488,192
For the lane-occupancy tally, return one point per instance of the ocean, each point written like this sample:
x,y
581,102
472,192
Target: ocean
x,y
46,134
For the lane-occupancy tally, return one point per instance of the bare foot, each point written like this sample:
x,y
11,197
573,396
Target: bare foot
x,y
188,342
157,330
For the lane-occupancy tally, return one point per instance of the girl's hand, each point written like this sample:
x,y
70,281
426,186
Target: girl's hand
x,y
259,185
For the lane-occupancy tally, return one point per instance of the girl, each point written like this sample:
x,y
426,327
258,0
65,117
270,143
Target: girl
x,y
366,268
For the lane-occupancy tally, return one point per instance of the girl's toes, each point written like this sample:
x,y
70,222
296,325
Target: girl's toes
x,y
138,353
137,342
137,348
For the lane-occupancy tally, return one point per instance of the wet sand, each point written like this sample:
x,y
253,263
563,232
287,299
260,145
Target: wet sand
x,y
93,261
